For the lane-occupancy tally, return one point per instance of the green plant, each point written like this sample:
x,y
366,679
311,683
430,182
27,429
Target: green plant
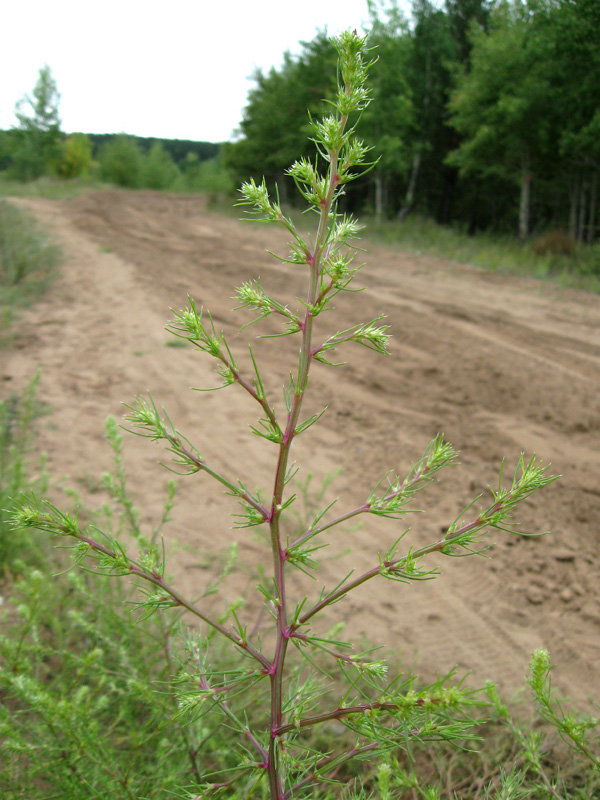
x,y
275,699
121,162
76,156
27,256
36,142
83,711
17,415
158,169
204,176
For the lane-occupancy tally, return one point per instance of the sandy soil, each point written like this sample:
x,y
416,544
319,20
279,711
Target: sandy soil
x,y
498,364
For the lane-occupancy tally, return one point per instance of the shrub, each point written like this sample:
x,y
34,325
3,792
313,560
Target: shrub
x,y
158,169
555,243
121,162
27,256
76,156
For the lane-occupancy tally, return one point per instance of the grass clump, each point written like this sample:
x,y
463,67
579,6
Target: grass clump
x,y
48,186
28,258
18,413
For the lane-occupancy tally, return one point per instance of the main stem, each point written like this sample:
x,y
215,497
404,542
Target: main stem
x,y
275,768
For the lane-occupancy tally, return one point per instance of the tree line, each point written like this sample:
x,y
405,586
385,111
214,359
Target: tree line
x,y
36,146
485,114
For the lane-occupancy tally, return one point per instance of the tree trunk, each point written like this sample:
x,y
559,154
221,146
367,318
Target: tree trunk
x,y
581,226
450,178
378,197
591,231
573,195
525,198
410,191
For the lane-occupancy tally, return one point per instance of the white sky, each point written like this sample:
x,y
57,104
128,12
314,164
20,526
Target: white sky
x,y
171,70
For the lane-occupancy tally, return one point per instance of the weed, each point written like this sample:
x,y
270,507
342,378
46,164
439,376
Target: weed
x,y
274,692
17,416
27,256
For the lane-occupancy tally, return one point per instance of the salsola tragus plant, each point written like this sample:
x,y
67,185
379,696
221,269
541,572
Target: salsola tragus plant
x,y
280,756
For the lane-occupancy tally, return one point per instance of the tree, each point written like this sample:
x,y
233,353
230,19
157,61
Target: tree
x,y
502,105
121,162
76,156
462,15
433,52
158,169
37,141
571,30
388,123
275,128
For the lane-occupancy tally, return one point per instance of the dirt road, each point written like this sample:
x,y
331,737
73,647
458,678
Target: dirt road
x,y
498,364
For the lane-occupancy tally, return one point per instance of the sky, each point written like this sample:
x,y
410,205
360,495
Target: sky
x,y
173,70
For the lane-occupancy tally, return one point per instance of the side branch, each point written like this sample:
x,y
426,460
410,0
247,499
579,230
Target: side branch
x,y
373,505
157,580
146,419
338,713
117,563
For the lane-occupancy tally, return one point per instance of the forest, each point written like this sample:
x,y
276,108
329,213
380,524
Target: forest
x,y
484,114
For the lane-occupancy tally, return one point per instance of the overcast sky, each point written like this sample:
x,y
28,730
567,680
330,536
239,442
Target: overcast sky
x,y
172,70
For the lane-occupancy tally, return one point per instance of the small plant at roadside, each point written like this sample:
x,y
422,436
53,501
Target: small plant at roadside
x,y
276,698
27,255
17,415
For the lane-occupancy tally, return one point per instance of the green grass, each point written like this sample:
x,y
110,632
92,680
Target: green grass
x,y
19,472
28,262
48,186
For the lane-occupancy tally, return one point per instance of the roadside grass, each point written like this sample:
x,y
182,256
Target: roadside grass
x,y
580,270
48,186
28,262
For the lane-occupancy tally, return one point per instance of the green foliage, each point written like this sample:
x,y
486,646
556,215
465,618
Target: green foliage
x,y
572,728
94,704
27,256
36,142
76,156
178,149
121,162
274,127
470,100
500,105
17,417
208,176
158,169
